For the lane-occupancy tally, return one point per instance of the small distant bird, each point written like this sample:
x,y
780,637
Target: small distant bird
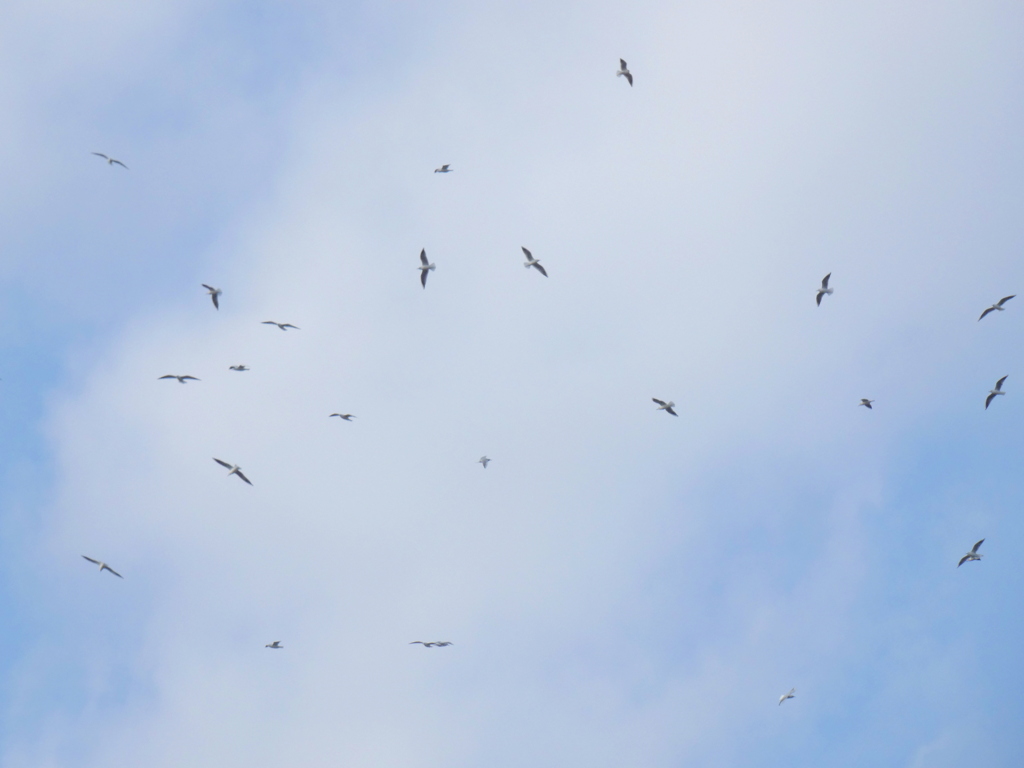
x,y
997,307
110,160
181,379
663,406
532,262
275,645
435,644
424,267
238,368
865,402
443,169
624,72
993,392
972,555
824,289
345,416
235,470
785,696
282,326
214,294
104,567
484,460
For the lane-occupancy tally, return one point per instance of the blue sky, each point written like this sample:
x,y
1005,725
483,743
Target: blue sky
x,y
621,586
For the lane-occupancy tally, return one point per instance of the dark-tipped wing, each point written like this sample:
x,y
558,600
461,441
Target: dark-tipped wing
x,y
190,378
999,384
623,67
527,252
118,162
990,309
223,463
824,281
108,568
669,410
269,322
168,376
539,268
423,277
963,560
289,325
1004,300
417,642
239,473
96,562
974,549
216,301
629,79
423,258
988,400
818,297
100,154
659,402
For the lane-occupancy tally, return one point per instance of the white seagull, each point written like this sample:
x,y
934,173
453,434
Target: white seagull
x,y
275,645
663,406
181,379
483,460
443,169
282,326
238,368
972,555
865,402
993,392
435,644
785,696
425,266
345,416
624,72
103,567
824,288
110,160
213,293
997,307
532,262
235,470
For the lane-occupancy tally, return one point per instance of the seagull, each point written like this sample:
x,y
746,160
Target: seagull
x,y
181,379
435,644
993,392
238,368
865,402
663,406
345,416
235,470
785,696
483,460
997,307
624,72
972,555
276,645
282,326
425,266
443,169
824,288
532,262
110,160
105,567
214,293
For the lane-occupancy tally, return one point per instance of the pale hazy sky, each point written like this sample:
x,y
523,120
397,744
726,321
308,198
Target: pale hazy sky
x,y
622,588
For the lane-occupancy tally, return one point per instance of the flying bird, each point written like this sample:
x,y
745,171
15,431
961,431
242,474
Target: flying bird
x,y
282,326
213,293
824,288
110,160
345,416
785,696
235,470
624,72
435,644
238,368
865,402
181,379
424,267
483,460
993,392
663,406
997,307
275,645
532,262
972,555
443,169
103,567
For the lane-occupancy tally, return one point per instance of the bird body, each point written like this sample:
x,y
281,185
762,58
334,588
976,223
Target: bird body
x,y
997,307
865,402
532,262
214,293
425,266
993,393
110,160
972,555
103,566
624,72
238,368
824,290
181,379
282,326
785,696
443,169
234,470
276,645
434,644
663,406
483,460
345,416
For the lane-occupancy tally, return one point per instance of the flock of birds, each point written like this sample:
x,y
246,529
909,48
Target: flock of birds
x,y
425,268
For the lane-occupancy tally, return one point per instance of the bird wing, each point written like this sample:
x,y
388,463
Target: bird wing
x,y
106,567
659,402
867,404
824,281
445,167
988,400
223,463
334,414
1004,300
118,162
216,302
999,384
168,376
963,560
208,287
539,268
974,549
239,473
190,378
669,410
423,277
818,297
423,258
269,322
97,562
417,642
289,325
527,252
629,79
990,309
100,154
623,67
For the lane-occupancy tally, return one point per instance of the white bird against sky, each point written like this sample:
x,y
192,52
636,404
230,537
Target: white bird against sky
x,y
997,307
866,403
663,406
282,326
103,566
181,379
234,470
214,293
483,460
434,644
972,555
790,695
345,416
238,368
994,393
111,160
624,72
532,262
824,290
443,169
275,645
425,266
